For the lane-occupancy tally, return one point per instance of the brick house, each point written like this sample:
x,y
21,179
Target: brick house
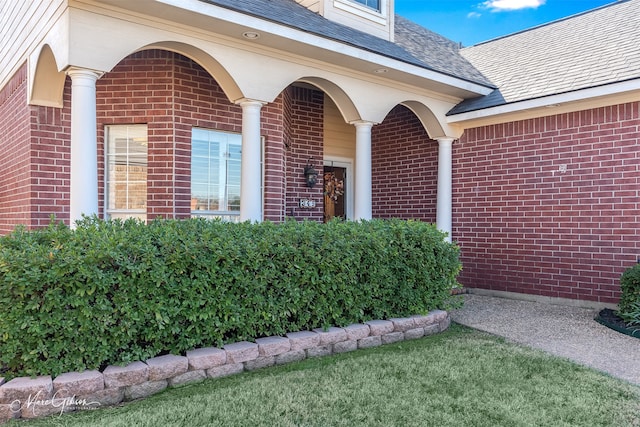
x,y
525,149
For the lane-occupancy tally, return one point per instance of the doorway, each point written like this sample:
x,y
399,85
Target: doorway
x,y
337,185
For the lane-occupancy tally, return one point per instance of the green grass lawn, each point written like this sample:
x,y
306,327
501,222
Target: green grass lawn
x,y
458,378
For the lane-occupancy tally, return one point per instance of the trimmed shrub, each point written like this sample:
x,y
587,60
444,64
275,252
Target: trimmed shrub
x,y
120,291
629,307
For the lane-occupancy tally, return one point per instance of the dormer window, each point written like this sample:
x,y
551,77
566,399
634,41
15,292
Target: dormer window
x,y
370,16
373,4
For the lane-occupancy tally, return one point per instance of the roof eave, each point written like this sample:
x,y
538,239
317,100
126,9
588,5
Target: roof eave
x,y
299,41
292,40
577,100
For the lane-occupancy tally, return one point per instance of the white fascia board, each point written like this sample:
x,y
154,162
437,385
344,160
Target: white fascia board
x,y
293,34
549,101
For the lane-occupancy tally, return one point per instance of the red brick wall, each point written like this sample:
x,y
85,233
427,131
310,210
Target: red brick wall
x,y
34,159
50,162
526,226
404,168
172,94
15,150
304,114
274,159
199,102
140,90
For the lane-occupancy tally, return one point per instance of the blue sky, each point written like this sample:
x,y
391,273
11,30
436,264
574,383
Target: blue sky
x,y
474,21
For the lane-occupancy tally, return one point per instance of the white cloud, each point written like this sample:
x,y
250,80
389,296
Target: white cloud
x,y
500,5
474,15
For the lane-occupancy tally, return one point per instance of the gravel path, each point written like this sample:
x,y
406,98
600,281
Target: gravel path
x,y
564,331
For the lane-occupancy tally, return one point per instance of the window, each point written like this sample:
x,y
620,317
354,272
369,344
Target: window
x,y
126,171
373,4
215,174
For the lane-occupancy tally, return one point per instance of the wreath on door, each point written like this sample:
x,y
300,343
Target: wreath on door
x,y
333,187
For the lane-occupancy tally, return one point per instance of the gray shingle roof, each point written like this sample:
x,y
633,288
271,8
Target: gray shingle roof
x,y
591,49
414,44
439,52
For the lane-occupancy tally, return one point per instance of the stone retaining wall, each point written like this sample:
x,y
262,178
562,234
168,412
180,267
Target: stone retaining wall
x,y
41,396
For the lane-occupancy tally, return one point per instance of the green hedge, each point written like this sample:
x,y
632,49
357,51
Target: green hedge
x,y
115,292
629,307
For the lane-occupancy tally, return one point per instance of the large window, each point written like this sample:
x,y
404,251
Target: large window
x,y
215,174
373,4
126,171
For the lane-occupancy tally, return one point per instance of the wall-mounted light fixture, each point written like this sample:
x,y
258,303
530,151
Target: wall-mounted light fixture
x,y
310,174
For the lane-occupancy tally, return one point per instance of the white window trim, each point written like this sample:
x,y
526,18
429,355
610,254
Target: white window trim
x,y
108,213
359,9
232,214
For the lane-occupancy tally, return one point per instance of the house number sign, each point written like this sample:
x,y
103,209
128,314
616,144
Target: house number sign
x,y
307,203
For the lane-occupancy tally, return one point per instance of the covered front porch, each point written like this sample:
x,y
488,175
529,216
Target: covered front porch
x,y
260,85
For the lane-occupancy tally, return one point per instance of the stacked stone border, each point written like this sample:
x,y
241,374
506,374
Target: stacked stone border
x,y
26,397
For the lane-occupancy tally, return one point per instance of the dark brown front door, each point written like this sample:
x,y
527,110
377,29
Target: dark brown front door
x,y
334,188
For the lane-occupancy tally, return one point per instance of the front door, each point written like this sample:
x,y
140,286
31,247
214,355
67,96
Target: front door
x,y
335,186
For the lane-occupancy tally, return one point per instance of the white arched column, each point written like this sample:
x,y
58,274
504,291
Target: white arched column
x,y
84,145
251,178
362,206
444,197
